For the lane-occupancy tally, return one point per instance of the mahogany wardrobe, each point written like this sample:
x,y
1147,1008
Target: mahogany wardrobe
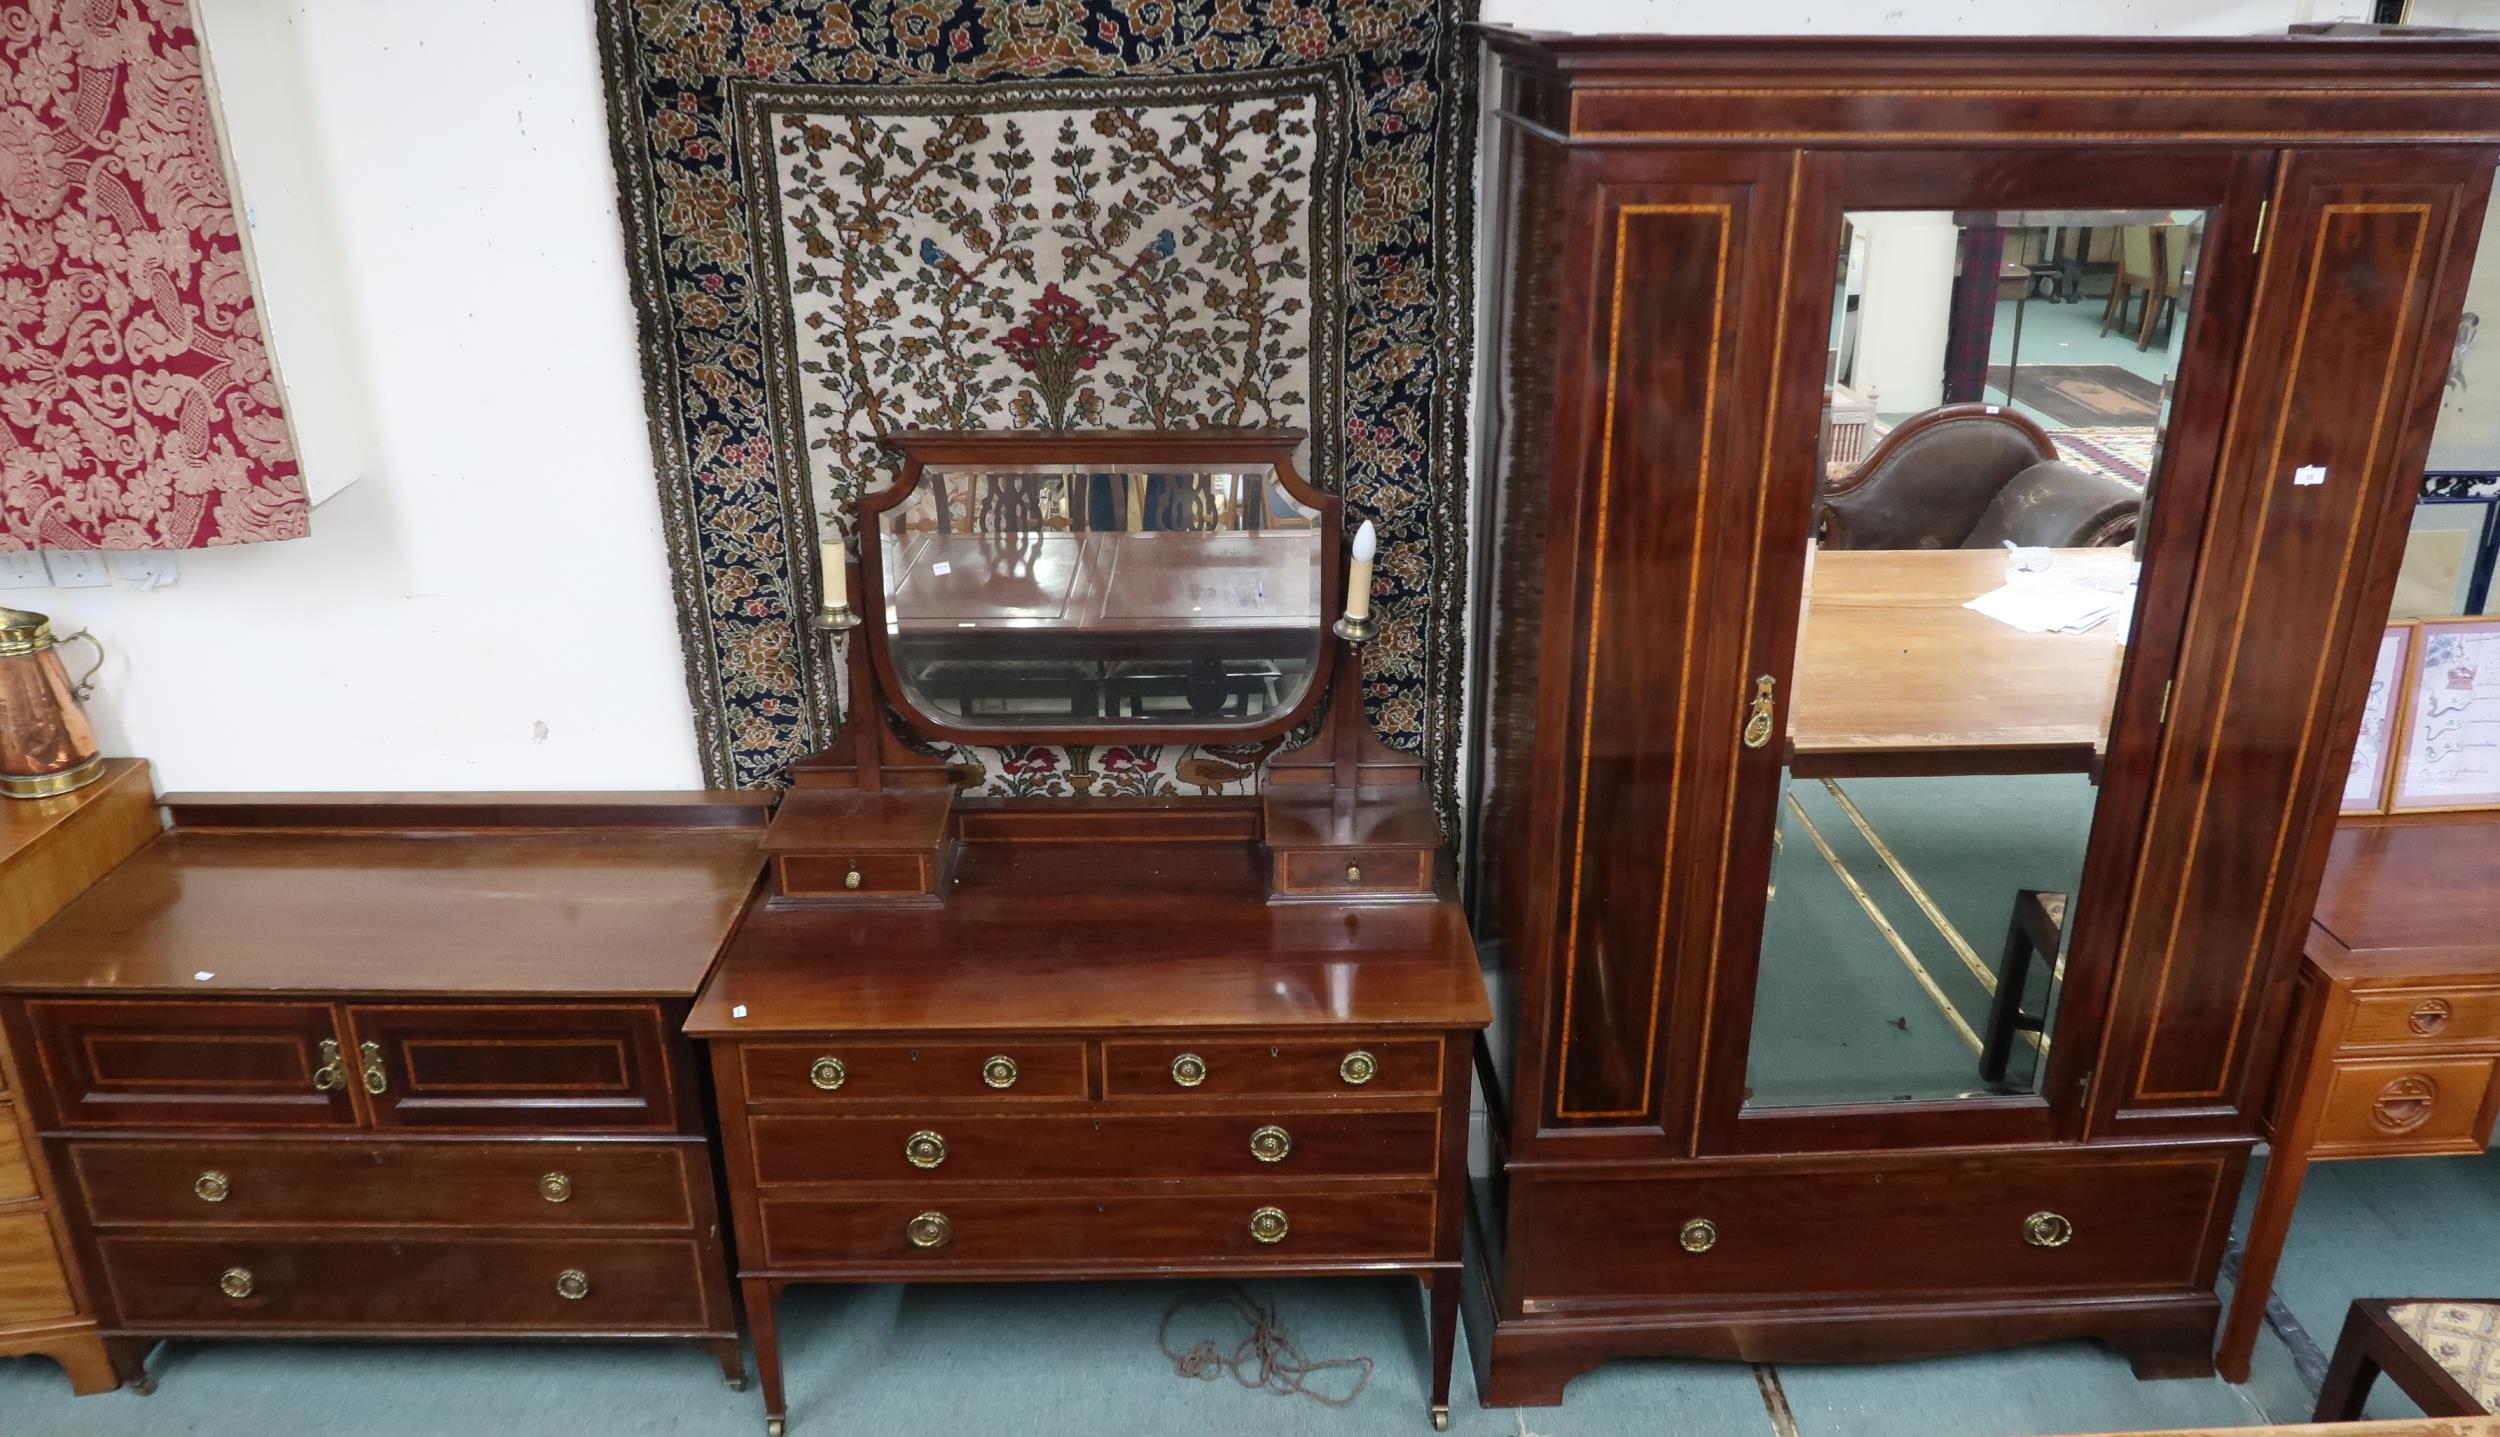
x,y
1888,977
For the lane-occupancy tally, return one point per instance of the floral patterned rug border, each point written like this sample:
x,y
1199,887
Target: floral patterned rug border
x,y
682,75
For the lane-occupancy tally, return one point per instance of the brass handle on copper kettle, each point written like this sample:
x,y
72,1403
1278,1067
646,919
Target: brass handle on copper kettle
x,y
572,1284
332,1074
1758,726
555,1187
235,1282
2047,1229
924,1149
930,1229
377,1082
212,1186
999,1072
83,687
1268,1224
827,1073
1189,1070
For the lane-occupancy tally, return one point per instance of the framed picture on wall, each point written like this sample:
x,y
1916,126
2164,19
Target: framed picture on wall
x,y
2450,718
2365,786
2451,546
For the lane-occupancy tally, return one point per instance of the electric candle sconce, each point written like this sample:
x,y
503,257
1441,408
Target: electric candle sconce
x,y
1357,625
833,607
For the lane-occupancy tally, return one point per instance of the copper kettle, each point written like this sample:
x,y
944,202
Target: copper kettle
x,y
46,744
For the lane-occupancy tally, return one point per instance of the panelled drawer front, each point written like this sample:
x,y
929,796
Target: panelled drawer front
x,y
796,1148
2403,1106
887,1072
170,1064
2417,1016
1943,1227
403,1184
1146,1231
17,1175
1245,1069
374,1285
32,1288
560,1068
1387,870
878,875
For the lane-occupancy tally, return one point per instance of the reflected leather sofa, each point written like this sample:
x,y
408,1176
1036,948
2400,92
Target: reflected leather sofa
x,y
1974,476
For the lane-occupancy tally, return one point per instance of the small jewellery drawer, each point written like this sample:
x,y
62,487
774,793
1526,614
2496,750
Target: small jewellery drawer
x,y
938,1149
858,875
942,1230
1944,1226
1231,1068
17,1176
402,1184
839,1070
2418,1016
371,1284
2399,1105
1338,870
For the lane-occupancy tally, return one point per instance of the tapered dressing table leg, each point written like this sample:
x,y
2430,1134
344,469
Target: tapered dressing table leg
x,y
2321,1025
1443,1286
760,1295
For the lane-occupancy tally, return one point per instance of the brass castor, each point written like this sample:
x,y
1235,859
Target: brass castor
x,y
737,1383
775,1426
144,1383
1440,1419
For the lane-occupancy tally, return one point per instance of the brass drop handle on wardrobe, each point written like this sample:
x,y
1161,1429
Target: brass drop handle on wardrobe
x,y
1758,725
332,1074
377,1082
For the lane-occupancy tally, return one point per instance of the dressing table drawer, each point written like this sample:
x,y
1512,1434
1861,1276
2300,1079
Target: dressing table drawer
x,y
844,1071
1336,872
357,1284
2407,1105
461,1185
945,1231
859,875
1233,1068
944,1150
2424,1017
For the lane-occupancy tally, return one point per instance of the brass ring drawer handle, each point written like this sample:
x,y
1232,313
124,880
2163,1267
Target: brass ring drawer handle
x,y
572,1284
1699,1236
1189,1070
212,1186
555,1187
999,1072
235,1282
1268,1224
332,1074
1359,1068
1270,1144
924,1149
827,1073
377,1082
2047,1229
930,1229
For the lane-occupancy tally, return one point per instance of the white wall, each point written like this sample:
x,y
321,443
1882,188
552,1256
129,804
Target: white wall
x,y
487,605
1906,309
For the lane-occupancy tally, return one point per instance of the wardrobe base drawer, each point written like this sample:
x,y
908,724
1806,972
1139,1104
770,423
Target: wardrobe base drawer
x,y
941,1149
942,1231
397,1184
1906,1226
379,1285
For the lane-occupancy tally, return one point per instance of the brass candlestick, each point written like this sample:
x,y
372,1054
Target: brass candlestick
x,y
1354,630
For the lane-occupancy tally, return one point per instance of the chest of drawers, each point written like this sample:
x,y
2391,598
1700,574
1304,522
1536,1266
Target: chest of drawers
x,y
1032,1083
333,1071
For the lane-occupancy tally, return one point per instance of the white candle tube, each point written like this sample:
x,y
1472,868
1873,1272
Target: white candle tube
x,y
1358,582
837,569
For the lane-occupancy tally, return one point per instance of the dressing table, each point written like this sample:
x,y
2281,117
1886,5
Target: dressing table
x,y
1127,1032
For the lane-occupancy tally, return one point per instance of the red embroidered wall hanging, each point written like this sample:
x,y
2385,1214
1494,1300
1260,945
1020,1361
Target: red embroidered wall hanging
x,y
138,409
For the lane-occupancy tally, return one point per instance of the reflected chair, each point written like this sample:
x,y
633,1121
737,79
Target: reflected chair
x,y
2038,929
2442,1353
1973,476
2152,268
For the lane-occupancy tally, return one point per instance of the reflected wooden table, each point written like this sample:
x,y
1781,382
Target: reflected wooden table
x,y
1896,679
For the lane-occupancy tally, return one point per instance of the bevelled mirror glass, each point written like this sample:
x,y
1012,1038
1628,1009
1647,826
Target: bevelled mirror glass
x,y
1996,389
1163,593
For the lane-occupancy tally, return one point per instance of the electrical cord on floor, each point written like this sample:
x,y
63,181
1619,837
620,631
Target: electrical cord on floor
x,y
1264,1358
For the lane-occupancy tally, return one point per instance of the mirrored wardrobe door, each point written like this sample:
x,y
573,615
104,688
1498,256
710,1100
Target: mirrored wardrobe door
x,y
1938,802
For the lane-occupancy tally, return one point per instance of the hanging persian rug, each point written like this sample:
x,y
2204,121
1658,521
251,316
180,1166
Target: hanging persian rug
x,y
844,220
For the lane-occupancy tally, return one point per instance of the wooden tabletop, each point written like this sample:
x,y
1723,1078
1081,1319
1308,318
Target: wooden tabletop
x,y
1095,936
1111,582
1894,676
2413,886
586,912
